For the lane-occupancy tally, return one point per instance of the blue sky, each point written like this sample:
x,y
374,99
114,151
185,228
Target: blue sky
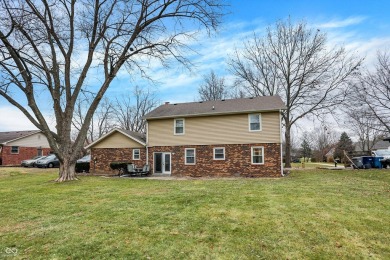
x,y
362,26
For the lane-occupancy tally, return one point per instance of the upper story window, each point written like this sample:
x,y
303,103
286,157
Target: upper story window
x,y
257,155
254,122
179,126
15,149
190,156
136,154
219,153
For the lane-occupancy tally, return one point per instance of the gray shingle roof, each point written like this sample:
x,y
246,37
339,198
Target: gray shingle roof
x,y
139,136
217,107
12,135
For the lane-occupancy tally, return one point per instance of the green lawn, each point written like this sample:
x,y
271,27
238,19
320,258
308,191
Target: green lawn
x,y
313,214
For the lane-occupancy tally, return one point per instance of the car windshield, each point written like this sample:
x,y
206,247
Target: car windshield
x,y
383,152
51,156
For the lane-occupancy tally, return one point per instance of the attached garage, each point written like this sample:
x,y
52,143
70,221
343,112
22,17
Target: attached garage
x,y
117,146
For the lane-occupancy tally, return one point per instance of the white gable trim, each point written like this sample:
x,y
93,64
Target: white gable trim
x,y
110,133
24,136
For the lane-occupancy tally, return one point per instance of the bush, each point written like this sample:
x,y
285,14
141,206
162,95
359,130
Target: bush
x,y
313,160
118,165
82,167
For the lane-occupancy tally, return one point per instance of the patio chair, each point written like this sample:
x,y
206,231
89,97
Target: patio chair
x,y
145,170
128,171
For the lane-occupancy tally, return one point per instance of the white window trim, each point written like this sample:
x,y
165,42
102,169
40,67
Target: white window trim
x,y
262,148
249,122
219,159
139,154
185,156
174,126
17,151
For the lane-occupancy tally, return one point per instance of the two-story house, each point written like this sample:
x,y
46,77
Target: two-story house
x,y
235,137
232,137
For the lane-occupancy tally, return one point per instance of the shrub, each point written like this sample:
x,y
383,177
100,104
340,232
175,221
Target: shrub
x,y
313,160
82,167
118,165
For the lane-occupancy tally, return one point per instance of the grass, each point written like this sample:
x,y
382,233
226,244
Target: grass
x,y
309,214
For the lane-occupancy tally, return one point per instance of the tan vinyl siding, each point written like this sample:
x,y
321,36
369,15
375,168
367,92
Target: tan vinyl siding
x,y
226,129
35,140
117,140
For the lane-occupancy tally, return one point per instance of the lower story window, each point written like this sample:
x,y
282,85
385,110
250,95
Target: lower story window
x,y
15,149
219,153
190,155
136,154
257,155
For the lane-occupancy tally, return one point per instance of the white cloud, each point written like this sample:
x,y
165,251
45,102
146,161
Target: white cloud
x,y
13,119
342,23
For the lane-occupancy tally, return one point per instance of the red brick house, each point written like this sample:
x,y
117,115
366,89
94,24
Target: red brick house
x,y
16,146
236,137
118,145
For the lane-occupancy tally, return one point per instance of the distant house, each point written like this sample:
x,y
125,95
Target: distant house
x,y
236,137
17,146
118,145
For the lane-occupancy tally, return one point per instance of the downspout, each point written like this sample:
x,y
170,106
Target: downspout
x,y
281,142
147,143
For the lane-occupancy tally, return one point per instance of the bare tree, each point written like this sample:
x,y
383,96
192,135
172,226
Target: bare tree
x,y
129,114
101,122
51,49
373,92
323,140
363,123
213,88
294,62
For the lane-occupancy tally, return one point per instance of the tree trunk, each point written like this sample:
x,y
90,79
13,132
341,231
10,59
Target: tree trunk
x,y
67,171
287,154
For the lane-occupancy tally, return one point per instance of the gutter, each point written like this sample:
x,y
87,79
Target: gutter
x,y
281,143
210,114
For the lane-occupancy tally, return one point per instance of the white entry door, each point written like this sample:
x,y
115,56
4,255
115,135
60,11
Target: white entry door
x,y
166,163
162,163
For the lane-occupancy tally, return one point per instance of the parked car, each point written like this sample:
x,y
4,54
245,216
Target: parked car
x,y
48,162
86,158
385,153
83,164
31,162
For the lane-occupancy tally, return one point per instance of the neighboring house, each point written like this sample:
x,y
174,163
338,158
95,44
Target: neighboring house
x,y
17,146
379,144
236,137
118,145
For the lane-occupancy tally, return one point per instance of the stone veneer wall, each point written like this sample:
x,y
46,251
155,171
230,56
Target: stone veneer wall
x,y
237,161
104,156
25,153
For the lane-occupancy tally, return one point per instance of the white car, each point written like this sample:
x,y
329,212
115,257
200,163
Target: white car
x,y
31,162
385,153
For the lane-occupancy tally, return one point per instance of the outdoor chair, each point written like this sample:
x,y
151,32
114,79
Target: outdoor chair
x,y
145,170
128,171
